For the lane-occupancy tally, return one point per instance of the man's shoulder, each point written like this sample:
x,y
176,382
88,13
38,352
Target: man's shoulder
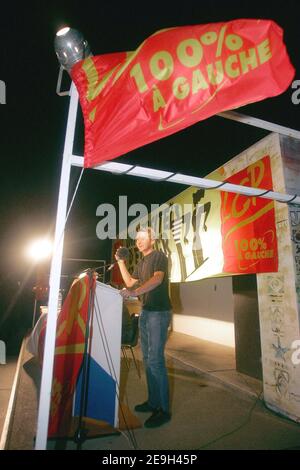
x,y
159,255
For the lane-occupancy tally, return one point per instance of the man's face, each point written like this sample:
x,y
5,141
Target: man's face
x,y
143,242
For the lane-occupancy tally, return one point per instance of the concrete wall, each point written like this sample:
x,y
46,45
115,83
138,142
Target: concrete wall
x,y
278,293
204,309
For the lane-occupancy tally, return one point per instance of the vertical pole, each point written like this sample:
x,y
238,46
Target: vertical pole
x,y
34,313
54,283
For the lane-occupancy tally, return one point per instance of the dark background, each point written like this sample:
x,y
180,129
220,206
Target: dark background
x,y
33,123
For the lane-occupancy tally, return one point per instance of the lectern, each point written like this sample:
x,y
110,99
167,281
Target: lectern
x,y
86,374
104,357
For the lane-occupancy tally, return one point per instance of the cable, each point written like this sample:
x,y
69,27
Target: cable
x,y
292,199
112,370
113,373
127,172
69,209
168,177
73,197
289,201
218,185
236,429
258,398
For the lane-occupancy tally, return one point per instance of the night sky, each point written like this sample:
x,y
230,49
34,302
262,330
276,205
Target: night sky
x,y
33,122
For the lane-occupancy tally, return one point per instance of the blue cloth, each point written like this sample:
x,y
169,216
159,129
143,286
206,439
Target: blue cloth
x,y
153,334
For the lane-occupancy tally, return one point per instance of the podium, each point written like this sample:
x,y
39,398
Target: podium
x,y
86,373
103,358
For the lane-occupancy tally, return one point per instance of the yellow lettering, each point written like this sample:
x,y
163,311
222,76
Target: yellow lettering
x,y
226,216
209,38
92,114
137,73
264,52
250,61
190,59
256,172
161,65
215,76
198,82
233,42
95,84
158,100
181,88
239,213
230,71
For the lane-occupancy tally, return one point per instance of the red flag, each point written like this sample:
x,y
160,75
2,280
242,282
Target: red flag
x,y
248,223
176,77
69,348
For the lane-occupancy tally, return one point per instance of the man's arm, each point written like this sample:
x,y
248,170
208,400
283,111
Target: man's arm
x,y
127,278
149,285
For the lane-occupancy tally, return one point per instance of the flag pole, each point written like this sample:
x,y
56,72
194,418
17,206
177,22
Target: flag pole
x,y
55,272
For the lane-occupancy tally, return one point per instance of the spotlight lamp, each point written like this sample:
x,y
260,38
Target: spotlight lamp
x,y
70,47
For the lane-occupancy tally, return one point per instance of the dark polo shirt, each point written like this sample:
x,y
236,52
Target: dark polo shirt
x,y
158,298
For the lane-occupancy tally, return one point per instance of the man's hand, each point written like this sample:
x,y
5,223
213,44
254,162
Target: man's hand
x,y
125,293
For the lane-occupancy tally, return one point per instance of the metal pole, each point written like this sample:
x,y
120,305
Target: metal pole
x,y
261,123
194,181
34,313
47,371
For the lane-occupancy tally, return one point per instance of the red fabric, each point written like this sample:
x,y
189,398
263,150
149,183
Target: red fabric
x,y
248,224
69,346
116,277
127,102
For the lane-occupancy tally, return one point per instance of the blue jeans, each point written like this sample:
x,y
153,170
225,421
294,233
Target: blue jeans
x,y
153,333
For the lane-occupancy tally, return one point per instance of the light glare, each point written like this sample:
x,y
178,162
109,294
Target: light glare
x,y
63,31
40,249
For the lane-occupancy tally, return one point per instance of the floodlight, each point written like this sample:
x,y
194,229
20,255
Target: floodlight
x,y
70,47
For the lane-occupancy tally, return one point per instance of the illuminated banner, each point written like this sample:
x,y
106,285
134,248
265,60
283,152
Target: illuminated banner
x,y
248,224
176,77
208,233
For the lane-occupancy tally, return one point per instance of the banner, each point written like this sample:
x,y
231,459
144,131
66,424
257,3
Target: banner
x,y
248,224
175,78
207,233
69,348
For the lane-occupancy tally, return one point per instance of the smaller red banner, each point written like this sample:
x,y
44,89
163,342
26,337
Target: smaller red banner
x,y
248,224
69,348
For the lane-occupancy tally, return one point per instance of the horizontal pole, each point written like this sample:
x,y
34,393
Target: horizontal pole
x,y
159,175
262,124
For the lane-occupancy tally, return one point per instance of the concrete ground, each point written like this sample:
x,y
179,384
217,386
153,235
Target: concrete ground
x,y
213,406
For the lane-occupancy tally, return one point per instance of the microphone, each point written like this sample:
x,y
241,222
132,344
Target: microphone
x,y
122,253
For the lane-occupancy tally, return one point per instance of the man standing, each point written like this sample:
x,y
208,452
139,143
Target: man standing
x,y
151,273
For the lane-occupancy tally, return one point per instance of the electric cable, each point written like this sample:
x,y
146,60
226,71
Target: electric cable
x,y
106,348
222,436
